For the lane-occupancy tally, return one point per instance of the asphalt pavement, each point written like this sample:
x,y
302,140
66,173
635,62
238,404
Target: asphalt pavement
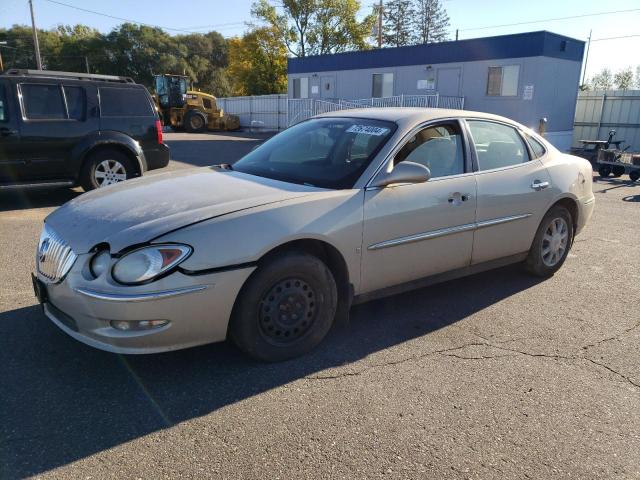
x,y
498,375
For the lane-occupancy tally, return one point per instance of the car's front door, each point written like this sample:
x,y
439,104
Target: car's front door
x,y
513,191
12,161
416,230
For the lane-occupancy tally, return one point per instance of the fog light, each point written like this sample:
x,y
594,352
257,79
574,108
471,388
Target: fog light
x,y
127,326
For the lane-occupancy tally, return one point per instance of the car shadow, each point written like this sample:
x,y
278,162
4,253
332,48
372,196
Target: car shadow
x,y
36,198
63,401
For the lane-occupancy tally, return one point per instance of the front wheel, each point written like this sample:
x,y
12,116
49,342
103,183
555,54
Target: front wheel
x,y
285,309
551,243
604,171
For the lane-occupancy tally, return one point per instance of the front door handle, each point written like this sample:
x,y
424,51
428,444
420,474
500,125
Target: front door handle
x,y
8,132
537,185
457,198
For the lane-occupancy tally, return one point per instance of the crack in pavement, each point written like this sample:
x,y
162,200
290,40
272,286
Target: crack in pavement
x,y
609,339
449,352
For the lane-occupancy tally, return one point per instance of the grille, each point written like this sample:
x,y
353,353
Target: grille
x,y
54,257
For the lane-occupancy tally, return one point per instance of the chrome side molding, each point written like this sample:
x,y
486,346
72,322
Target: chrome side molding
x,y
418,237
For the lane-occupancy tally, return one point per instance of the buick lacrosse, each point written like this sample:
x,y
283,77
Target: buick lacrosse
x,y
335,210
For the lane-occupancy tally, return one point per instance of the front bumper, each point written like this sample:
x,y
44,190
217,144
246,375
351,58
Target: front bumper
x,y
198,309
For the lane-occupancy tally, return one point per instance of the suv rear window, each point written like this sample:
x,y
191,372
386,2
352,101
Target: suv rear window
x,y
42,102
124,102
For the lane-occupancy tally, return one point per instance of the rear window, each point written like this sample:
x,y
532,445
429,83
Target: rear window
x,y
537,147
76,102
124,102
42,102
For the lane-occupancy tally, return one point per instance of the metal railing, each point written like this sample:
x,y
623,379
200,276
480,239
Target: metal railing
x,y
275,112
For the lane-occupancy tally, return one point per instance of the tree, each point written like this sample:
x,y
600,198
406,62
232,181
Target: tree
x,y
397,29
258,63
602,80
624,79
315,27
431,21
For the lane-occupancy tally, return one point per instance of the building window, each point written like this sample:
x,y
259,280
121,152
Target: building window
x,y
503,81
382,85
301,87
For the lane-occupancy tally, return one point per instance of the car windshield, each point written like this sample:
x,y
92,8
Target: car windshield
x,y
322,152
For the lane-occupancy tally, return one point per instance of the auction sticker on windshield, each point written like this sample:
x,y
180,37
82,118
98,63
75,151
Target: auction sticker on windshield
x,y
368,130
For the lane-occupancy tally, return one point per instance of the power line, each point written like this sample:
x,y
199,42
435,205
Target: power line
x,y
135,21
614,38
550,19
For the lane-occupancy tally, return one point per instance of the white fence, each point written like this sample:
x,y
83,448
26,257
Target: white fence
x,y
598,112
276,112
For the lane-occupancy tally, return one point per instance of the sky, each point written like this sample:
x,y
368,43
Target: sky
x,y
471,17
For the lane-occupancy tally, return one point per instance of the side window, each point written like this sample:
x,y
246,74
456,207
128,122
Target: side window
x,y
207,103
124,102
503,81
382,85
42,102
301,87
536,147
438,148
4,114
497,145
76,102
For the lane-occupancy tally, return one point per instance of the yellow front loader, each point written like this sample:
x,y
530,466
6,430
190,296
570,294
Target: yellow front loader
x,y
189,110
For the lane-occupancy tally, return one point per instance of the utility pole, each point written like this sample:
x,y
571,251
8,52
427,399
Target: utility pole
x,y
86,63
36,46
1,65
456,34
380,7
586,58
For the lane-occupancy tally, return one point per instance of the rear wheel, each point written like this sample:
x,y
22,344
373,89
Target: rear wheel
x,y
604,171
105,167
194,121
285,309
634,175
551,244
617,170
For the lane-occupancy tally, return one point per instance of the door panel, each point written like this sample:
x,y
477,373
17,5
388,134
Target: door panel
x,y
12,161
413,231
509,210
327,87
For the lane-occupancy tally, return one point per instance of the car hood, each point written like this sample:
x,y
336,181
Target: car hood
x,y
139,210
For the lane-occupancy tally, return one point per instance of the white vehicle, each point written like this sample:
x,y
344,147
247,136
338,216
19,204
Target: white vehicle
x,y
335,210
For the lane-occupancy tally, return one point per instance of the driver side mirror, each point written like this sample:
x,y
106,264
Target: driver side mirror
x,y
403,172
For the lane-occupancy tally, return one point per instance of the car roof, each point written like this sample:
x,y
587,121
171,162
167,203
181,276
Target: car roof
x,y
411,115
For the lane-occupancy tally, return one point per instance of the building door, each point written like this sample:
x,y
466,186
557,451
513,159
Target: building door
x,y
449,81
314,87
327,87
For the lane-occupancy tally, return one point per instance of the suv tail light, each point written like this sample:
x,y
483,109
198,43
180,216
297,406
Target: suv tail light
x,y
159,130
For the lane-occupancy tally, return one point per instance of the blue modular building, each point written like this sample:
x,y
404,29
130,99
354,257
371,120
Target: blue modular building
x,y
526,76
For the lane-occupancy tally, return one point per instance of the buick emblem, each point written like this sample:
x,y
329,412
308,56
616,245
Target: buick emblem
x,y
42,251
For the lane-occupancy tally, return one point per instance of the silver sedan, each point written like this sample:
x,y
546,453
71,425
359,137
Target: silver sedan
x,y
335,210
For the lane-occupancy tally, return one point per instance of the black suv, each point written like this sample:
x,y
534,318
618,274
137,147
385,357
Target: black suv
x,y
68,129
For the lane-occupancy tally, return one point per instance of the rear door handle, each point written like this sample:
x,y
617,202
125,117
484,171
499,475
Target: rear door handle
x,y
8,132
537,185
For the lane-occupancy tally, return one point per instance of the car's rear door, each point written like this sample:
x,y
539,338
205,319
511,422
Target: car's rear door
x,y
416,230
513,191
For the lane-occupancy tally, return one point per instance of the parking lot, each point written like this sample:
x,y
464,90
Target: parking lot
x,y
498,375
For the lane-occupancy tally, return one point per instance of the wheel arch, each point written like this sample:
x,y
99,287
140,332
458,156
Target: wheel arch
x,y
570,204
111,140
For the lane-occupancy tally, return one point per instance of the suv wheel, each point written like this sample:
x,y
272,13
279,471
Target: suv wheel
x,y
285,309
194,121
105,167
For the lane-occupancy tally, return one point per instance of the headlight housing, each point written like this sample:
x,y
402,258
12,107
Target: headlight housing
x,y
100,263
147,263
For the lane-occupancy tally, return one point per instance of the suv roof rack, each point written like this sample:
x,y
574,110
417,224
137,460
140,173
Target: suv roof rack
x,y
69,75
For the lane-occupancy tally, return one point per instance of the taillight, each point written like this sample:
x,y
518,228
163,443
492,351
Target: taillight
x,y
159,130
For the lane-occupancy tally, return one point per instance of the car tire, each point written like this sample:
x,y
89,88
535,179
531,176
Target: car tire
x,y
617,170
634,175
301,291
105,167
195,122
604,171
551,243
